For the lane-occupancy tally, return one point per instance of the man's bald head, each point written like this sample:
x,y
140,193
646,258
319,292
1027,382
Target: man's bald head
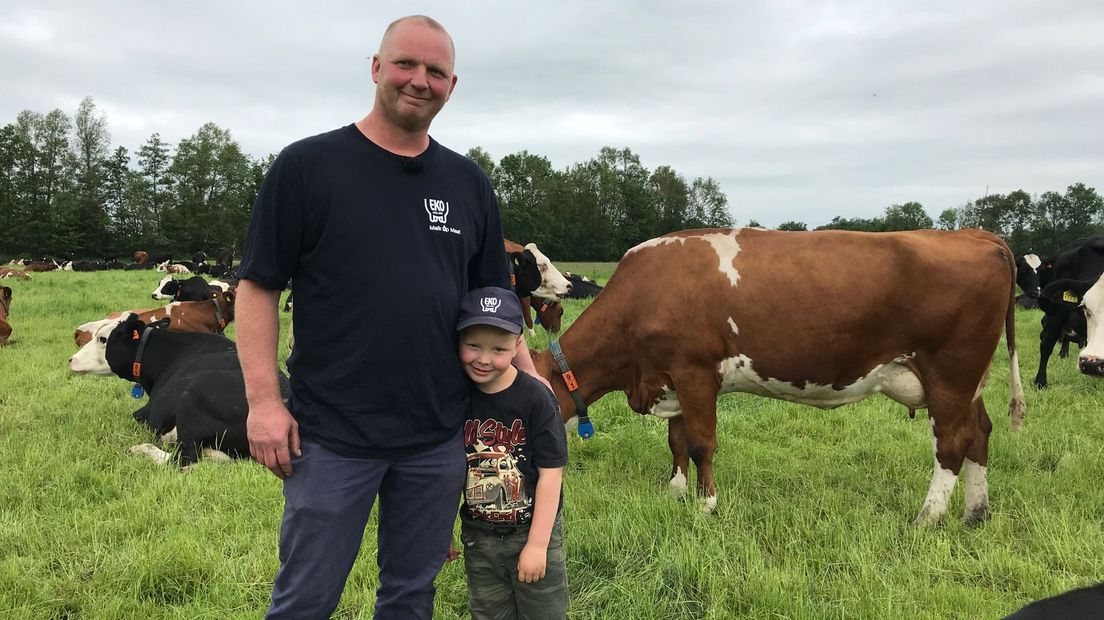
x,y
424,20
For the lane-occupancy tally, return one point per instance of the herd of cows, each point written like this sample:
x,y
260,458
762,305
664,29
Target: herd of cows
x,y
824,319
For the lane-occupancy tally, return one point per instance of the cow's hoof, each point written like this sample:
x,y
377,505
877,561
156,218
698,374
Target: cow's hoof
x,y
927,518
709,504
677,487
976,516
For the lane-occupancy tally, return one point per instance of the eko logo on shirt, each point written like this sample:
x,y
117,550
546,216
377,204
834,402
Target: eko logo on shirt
x,y
438,211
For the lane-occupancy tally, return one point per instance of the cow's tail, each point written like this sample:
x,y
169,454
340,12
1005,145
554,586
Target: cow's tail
x,y
1018,407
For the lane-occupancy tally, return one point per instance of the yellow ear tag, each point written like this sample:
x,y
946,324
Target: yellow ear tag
x,y
1071,297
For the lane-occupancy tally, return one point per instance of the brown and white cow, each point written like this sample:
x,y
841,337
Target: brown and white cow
x,y
5,305
16,274
210,316
819,318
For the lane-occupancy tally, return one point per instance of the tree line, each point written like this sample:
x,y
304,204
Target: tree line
x,y
65,192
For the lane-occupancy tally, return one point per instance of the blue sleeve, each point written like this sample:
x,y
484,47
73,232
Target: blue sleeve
x,y
489,267
272,246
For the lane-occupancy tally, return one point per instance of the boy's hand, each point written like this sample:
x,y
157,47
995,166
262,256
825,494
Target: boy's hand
x,y
531,563
453,552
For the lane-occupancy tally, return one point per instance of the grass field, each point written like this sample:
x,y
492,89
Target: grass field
x,y
812,520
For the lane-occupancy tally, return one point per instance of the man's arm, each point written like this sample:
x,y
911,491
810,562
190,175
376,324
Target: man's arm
x,y
524,362
534,556
273,434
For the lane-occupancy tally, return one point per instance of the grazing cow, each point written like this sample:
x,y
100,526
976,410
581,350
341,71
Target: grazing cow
x,y
1082,262
582,287
224,257
17,274
41,266
1082,603
194,382
531,273
820,318
1083,299
5,306
194,288
549,314
209,316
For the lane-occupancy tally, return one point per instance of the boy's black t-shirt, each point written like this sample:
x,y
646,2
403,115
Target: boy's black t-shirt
x,y
381,249
507,436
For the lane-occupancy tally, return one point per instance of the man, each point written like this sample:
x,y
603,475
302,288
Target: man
x,y
383,230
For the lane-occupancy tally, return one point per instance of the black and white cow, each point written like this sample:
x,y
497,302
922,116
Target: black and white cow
x,y
190,289
1027,275
1082,603
1080,264
1084,298
582,287
196,394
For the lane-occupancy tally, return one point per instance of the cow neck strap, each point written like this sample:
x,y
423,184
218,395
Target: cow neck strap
x,y
586,428
136,368
218,313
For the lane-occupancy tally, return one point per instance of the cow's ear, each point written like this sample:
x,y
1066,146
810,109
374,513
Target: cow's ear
x,y
229,295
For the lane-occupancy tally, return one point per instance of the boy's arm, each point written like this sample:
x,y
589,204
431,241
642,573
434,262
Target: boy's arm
x,y
534,557
523,360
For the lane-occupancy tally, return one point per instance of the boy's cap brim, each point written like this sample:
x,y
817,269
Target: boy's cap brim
x,y
502,324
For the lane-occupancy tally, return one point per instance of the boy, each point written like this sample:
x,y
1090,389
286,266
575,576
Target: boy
x,y
516,449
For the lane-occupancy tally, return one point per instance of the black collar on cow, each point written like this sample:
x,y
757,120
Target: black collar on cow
x,y
218,313
586,429
136,367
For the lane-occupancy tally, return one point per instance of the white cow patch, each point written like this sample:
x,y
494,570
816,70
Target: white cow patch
x,y
894,379
152,452
92,357
724,244
709,504
732,324
1093,303
939,492
677,487
977,489
1033,261
553,284
667,405
157,294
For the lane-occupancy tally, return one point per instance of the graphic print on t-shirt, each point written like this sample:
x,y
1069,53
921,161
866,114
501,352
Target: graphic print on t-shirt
x,y
495,487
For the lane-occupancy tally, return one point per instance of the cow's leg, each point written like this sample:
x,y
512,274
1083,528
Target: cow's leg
x,y
526,302
950,438
1054,324
698,399
169,437
1063,352
216,456
157,455
680,456
976,467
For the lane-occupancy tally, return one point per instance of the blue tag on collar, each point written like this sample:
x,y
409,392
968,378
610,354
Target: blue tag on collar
x,y
536,321
136,391
586,428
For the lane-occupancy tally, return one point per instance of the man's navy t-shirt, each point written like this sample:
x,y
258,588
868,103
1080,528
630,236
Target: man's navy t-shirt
x,y
380,248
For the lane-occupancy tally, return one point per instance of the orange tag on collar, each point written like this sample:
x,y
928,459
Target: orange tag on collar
x,y
222,324
569,379
136,370
513,280
136,336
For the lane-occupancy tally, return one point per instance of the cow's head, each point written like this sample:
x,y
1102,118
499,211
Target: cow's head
x,y
92,356
549,314
225,302
166,288
1027,274
1087,295
536,275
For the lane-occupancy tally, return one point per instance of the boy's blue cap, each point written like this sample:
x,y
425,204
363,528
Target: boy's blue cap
x,y
491,305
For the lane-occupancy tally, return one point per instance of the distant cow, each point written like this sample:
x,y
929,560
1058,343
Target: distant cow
x,y
531,273
224,257
194,288
41,266
210,316
1081,263
194,383
1087,299
549,314
582,287
15,274
1027,275
820,318
5,306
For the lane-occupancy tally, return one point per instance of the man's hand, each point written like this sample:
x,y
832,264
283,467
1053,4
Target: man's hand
x,y
273,437
531,563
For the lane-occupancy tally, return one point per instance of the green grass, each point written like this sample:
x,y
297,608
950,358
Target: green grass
x,y
812,521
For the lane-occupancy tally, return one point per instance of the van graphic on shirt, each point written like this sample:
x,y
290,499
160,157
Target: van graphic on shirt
x,y
495,487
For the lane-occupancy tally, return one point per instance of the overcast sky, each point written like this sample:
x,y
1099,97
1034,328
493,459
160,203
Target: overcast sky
x,y
800,110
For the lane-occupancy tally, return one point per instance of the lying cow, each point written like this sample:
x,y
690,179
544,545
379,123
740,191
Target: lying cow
x,y
531,273
820,318
210,316
194,288
582,287
194,382
15,274
1084,297
5,306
